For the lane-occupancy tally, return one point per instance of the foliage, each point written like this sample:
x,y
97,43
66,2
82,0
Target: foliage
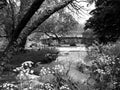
x,y
59,24
105,67
105,21
88,38
49,78
19,36
21,22
3,3
44,55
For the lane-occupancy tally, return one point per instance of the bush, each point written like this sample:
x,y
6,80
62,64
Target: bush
x,y
112,49
53,77
88,38
105,68
44,55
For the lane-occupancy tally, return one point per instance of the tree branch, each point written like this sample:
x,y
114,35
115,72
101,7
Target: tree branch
x,y
43,16
13,16
48,35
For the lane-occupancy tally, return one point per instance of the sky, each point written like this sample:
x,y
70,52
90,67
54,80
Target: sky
x,y
82,17
87,15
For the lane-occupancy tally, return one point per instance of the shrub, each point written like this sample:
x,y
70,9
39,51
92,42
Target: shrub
x,y
26,80
112,49
44,55
88,38
105,68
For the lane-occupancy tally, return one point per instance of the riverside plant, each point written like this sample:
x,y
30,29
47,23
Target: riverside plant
x,y
105,67
27,80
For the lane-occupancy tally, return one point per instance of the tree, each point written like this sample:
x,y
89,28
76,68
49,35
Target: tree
x,y
88,38
105,21
58,25
24,26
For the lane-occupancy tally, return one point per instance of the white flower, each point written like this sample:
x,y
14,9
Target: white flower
x,y
100,71
27,63
64,87
58,68
9,86
31,71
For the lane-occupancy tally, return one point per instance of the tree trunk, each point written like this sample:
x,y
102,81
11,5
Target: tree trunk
x,y
34,7
31,11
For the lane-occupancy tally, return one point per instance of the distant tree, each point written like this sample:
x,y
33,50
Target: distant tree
x,y
88,38
59,24
105,21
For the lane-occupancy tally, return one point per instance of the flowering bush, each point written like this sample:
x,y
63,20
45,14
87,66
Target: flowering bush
x,y
105,68
8,86
49,78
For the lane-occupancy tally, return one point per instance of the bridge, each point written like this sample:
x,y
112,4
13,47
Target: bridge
x,y
65,40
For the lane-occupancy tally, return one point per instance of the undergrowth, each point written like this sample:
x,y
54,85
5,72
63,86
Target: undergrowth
x,y
49,78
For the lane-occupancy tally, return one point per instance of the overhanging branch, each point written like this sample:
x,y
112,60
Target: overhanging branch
x,y
43,16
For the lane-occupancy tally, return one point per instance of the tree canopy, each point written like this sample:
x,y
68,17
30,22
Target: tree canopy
x,y
105,21
59,24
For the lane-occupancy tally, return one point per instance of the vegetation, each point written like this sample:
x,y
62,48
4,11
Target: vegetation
x,y
103,59
44,56
39,70
23,17
88,38
105,66
105,21
53,77
60,24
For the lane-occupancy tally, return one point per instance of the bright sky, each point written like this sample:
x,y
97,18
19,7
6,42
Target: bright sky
x,y
87,15
83,16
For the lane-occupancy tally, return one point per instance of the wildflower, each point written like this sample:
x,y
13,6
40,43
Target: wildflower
x,y
58,68
17,69
100,71
48,86
31,71
45,71
9,86
64,87
27,64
